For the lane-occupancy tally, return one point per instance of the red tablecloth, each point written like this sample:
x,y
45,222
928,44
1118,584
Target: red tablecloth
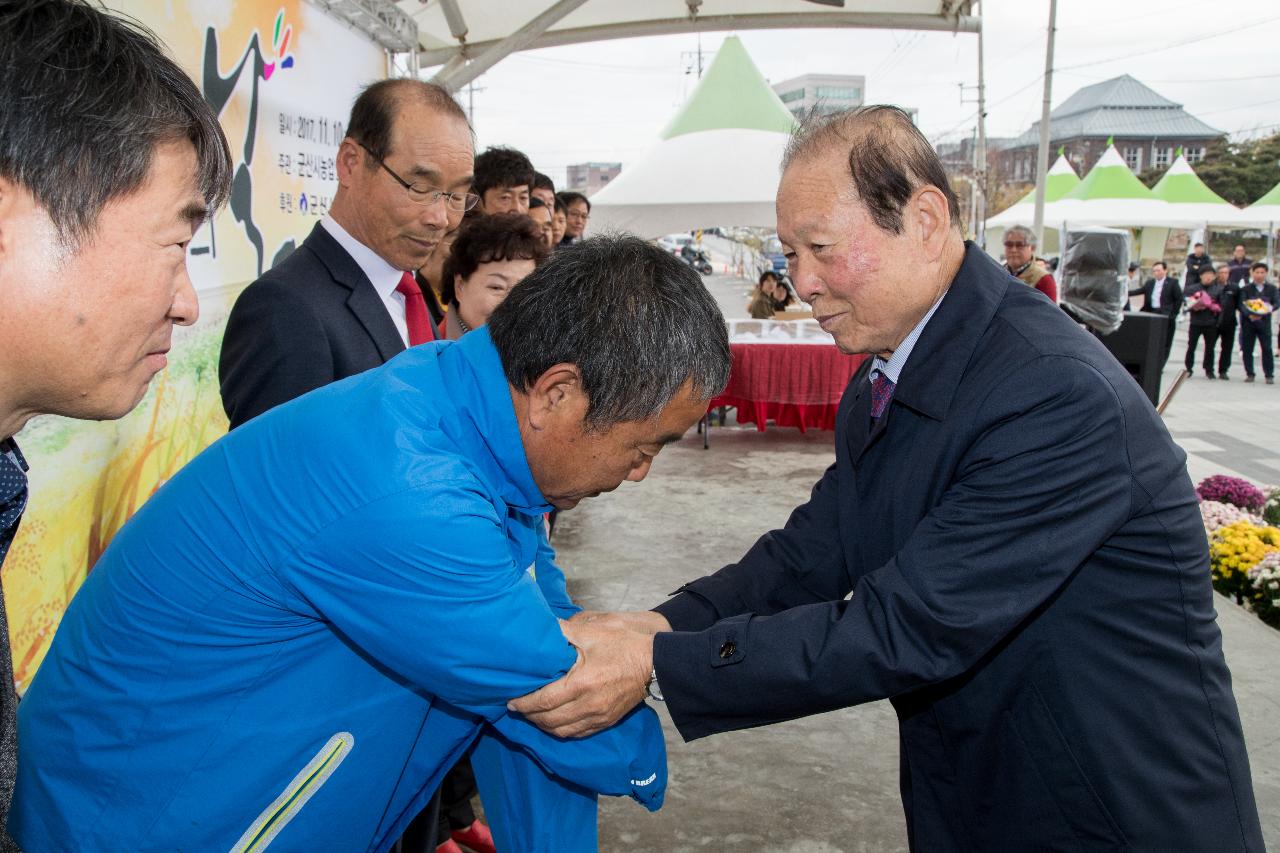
x,y
797,385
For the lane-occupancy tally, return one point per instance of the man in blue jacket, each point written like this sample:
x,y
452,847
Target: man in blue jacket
x,y
299,633
1008,547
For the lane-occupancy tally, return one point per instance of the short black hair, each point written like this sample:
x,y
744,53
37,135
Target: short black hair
x,y
1201,245
1258,265
1160,264
535,202
569,197
500,168
888,158
484,239
1209,270
542,182
87,97
374,112
640,325
768,274
560,205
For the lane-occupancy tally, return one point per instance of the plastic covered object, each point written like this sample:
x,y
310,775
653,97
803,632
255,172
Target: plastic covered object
x,y
1093,277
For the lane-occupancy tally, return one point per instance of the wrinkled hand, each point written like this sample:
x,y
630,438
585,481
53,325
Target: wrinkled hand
x,y
642,621
614,664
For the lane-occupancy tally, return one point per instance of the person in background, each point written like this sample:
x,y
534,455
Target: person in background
x,y
1162,295
544,189
104,179
559,222
1133,282
1204,304
1196,261
1021,261
1255,321
764,301
503,179
1227,319
540,213
488,258
348,299
577,212
1239,265
430,278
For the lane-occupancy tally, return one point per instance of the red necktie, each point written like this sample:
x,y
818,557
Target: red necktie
x,y
881,394
415,310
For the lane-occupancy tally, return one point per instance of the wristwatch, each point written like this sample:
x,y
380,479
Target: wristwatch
x,y
652,690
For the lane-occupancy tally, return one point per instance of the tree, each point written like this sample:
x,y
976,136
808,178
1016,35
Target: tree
x,y
1240,172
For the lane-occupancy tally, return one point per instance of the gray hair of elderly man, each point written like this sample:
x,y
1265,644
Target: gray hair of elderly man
x,y
1028,236
87,98
889,159
636,321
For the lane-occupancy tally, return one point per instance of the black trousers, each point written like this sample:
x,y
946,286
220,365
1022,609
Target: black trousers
x,y
1226,344
448,810
1250,335
1210,335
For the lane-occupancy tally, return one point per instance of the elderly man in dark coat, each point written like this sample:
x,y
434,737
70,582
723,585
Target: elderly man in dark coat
x,y
1008,547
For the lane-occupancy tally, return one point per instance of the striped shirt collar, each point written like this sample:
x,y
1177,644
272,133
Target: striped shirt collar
x,y
892,367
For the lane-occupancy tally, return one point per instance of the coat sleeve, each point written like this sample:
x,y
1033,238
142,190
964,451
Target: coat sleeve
x,y
274,349
803,563
1044,484
422,581
551,580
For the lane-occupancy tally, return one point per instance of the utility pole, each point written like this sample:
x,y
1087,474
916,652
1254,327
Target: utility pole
x,y
472,88
980,168
1042,157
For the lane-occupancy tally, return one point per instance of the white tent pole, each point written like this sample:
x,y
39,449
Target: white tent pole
x,y
1042,157
980,173
517,41
1271,245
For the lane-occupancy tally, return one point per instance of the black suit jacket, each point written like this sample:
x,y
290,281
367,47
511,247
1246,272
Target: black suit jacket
x,y
1030,587
1268,293
1171,299
312,319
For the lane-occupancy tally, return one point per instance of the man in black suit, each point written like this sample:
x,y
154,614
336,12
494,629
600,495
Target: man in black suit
x,y
1008,547
346,300
1162,295
1255,327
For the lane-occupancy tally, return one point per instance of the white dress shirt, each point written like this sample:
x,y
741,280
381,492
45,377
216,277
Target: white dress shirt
x,y
381,274
1157,291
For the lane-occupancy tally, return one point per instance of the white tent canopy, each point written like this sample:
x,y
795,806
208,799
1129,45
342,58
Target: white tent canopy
x,y
715,163
467,37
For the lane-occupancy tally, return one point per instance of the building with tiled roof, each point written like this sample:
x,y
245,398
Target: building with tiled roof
x,y
1147,128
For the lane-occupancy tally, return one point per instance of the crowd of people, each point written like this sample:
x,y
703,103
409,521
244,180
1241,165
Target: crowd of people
x,y
1218,302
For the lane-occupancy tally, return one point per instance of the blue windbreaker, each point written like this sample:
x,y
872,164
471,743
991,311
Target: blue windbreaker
x,y
296,637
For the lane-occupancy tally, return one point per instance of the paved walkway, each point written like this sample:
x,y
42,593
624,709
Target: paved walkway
x,y
828,784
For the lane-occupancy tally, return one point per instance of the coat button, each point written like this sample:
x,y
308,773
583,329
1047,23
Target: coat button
x,y
728,650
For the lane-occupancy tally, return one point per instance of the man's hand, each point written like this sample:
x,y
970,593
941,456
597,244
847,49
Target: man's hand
x,y
609,679
642,621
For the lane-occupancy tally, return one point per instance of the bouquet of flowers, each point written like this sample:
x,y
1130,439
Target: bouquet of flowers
x,y
1235,550
1231,490
1218,515
1264,583
1257,307
1271,509
1204,302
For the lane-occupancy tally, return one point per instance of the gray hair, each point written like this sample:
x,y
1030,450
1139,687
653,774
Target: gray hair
x,y
87,97
888,157
1028,236
636,321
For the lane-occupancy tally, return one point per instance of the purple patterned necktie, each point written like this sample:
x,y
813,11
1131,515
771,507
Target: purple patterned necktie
x,y
881,394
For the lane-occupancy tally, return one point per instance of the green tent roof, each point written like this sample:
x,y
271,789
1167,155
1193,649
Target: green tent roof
x,y
1272,197
731,94
1181,185
1110,178
1058,181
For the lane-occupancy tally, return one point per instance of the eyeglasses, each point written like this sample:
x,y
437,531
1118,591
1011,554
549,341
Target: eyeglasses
x,y
1015,245
574,214
426,195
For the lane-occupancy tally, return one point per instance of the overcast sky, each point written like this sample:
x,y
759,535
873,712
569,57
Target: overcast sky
x,y
608,100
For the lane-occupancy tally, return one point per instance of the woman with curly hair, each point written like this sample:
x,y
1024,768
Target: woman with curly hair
x,y
489,256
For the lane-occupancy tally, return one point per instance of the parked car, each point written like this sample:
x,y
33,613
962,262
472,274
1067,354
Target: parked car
x,y
771,248
673,243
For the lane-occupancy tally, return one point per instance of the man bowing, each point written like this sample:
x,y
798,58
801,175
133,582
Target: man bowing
x,y
1008,547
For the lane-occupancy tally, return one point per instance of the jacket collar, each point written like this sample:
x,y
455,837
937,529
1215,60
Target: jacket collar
x,y
479,388
933,372
364,301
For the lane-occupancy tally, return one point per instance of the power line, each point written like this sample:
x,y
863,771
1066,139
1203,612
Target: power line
x,y
1166,47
